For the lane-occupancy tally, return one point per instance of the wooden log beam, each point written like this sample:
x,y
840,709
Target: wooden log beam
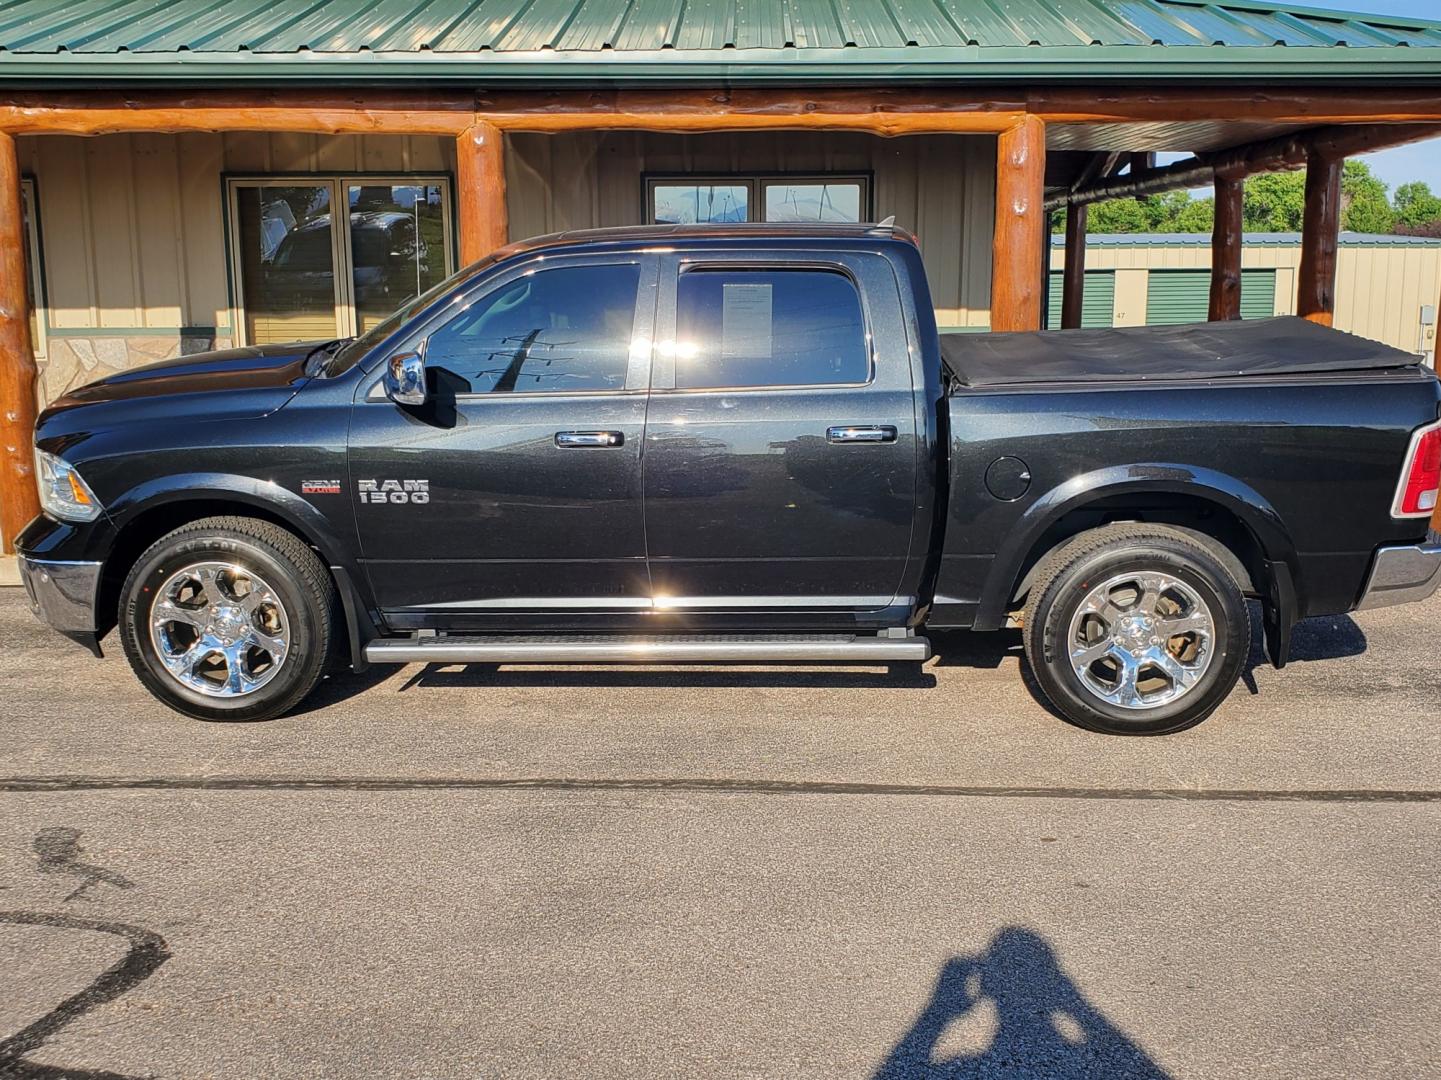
x,y
1269,155
1016,270
1073,278
19,501
1305,105
1320,229
879,112
480,177
1226,250
359,112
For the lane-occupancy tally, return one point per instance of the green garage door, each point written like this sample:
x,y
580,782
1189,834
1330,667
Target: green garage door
x,y
1099,307
1182,296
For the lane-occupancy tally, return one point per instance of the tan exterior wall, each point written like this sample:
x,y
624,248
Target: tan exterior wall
x,y
1380,289
133,235
940,187
133,226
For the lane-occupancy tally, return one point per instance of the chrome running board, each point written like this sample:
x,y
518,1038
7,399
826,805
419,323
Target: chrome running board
x,y
656,649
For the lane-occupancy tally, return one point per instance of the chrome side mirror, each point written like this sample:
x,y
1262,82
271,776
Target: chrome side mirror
x,y
405,379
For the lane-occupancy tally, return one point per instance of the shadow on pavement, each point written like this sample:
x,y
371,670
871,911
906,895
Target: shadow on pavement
x,y
1021,1016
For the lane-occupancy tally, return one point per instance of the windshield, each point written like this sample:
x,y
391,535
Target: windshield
x,y
350,353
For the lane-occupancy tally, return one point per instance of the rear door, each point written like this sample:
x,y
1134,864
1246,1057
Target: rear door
x,y
780,458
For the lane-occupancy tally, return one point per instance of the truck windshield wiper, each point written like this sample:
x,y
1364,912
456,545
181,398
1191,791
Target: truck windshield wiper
x,y
318,358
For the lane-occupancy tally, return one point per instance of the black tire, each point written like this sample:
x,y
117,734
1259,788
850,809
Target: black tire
x,y
292,571
1069,574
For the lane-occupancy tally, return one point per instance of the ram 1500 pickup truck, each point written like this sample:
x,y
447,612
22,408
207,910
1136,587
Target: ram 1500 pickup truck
x,y
733,443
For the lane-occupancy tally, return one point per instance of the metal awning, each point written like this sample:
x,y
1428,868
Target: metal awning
x,y
650,42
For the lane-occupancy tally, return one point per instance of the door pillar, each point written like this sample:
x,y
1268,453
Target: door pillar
x,y
1320,228
19,501
480,175
1017,273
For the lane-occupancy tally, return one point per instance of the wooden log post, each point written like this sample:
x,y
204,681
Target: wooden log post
x,y
1320,228
1226,250
480,175
19,501
1016,270
1073,278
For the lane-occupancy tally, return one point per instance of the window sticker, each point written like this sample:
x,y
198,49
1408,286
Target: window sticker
x,y
746,321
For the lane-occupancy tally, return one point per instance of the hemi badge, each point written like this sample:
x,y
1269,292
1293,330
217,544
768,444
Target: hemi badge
x,y
320,487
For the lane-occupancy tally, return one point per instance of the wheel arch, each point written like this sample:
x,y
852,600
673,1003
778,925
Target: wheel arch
x,y
149,512
1229,516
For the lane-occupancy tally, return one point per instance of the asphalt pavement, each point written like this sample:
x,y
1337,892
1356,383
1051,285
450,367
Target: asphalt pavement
x,y
723,872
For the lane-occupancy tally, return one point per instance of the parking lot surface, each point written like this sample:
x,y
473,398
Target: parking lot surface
x,y
723,872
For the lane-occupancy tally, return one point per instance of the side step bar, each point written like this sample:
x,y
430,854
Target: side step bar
x,y
658,649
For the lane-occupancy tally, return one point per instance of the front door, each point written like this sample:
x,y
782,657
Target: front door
x,y
517,488
781,458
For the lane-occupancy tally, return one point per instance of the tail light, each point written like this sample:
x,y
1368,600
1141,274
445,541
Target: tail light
x,y
1421,477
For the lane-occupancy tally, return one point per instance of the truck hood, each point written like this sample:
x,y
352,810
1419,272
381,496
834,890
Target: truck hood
x,y
231,384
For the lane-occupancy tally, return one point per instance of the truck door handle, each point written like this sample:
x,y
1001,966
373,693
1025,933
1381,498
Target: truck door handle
x,y
860,433
572,439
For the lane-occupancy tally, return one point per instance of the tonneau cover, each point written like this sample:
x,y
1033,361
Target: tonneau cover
x,y
1219,350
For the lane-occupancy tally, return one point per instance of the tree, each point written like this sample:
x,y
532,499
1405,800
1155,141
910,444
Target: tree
x,y
1274,202
1416,206
1364,206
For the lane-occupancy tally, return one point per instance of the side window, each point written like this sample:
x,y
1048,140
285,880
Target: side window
x,y
562,329
768,328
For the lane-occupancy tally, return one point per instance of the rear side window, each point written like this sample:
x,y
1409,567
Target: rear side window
x,y
739,328
556,330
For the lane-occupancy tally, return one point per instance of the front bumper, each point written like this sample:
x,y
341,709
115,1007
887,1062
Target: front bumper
x,y
63,594
1403,574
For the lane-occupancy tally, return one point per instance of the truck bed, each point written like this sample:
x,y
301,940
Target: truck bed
x,y
1283,346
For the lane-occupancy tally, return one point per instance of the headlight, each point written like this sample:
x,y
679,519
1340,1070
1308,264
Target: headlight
x,y
63,495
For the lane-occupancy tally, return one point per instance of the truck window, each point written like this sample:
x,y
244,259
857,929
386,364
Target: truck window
x,y
563,329
771,327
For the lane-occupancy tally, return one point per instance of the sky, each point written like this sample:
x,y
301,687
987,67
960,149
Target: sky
x,y
1419,161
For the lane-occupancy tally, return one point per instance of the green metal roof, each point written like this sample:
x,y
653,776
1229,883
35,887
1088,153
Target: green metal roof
x,y
570,42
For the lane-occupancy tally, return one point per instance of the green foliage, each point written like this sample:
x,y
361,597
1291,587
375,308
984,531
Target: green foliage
x,y
1276,202
1416,207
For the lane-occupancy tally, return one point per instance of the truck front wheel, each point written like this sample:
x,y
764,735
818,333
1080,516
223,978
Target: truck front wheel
x,y
228,618
1136,630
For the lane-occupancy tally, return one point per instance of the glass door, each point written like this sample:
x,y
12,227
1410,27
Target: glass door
x,y
285,248
300,278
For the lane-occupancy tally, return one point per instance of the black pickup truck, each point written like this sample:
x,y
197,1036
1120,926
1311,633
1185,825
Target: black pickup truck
x,y
738,443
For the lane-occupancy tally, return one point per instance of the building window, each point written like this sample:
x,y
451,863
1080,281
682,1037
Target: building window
x,y
297,277
34,288
691,200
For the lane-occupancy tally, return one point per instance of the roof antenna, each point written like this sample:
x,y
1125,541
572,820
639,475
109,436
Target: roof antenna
x,y
888,223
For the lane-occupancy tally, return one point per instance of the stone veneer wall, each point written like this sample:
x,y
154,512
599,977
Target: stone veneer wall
x,y
74,361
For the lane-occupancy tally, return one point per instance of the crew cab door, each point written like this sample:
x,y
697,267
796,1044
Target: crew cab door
x,y
780,459
517,486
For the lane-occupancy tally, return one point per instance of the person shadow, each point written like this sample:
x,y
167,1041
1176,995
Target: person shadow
x,y
1039,1022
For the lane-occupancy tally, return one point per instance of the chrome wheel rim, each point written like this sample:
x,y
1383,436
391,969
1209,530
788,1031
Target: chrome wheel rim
x,y
1141,640
219,629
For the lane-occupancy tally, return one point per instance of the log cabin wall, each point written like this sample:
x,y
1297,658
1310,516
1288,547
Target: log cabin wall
x,y
133,241
132,231
941,187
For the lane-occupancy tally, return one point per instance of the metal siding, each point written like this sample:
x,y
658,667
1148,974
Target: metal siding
x,y
1183,296
1098,308
941,187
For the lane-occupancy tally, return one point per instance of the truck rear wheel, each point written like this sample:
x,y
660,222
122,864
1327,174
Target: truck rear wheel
x,y
228,618
1136,630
